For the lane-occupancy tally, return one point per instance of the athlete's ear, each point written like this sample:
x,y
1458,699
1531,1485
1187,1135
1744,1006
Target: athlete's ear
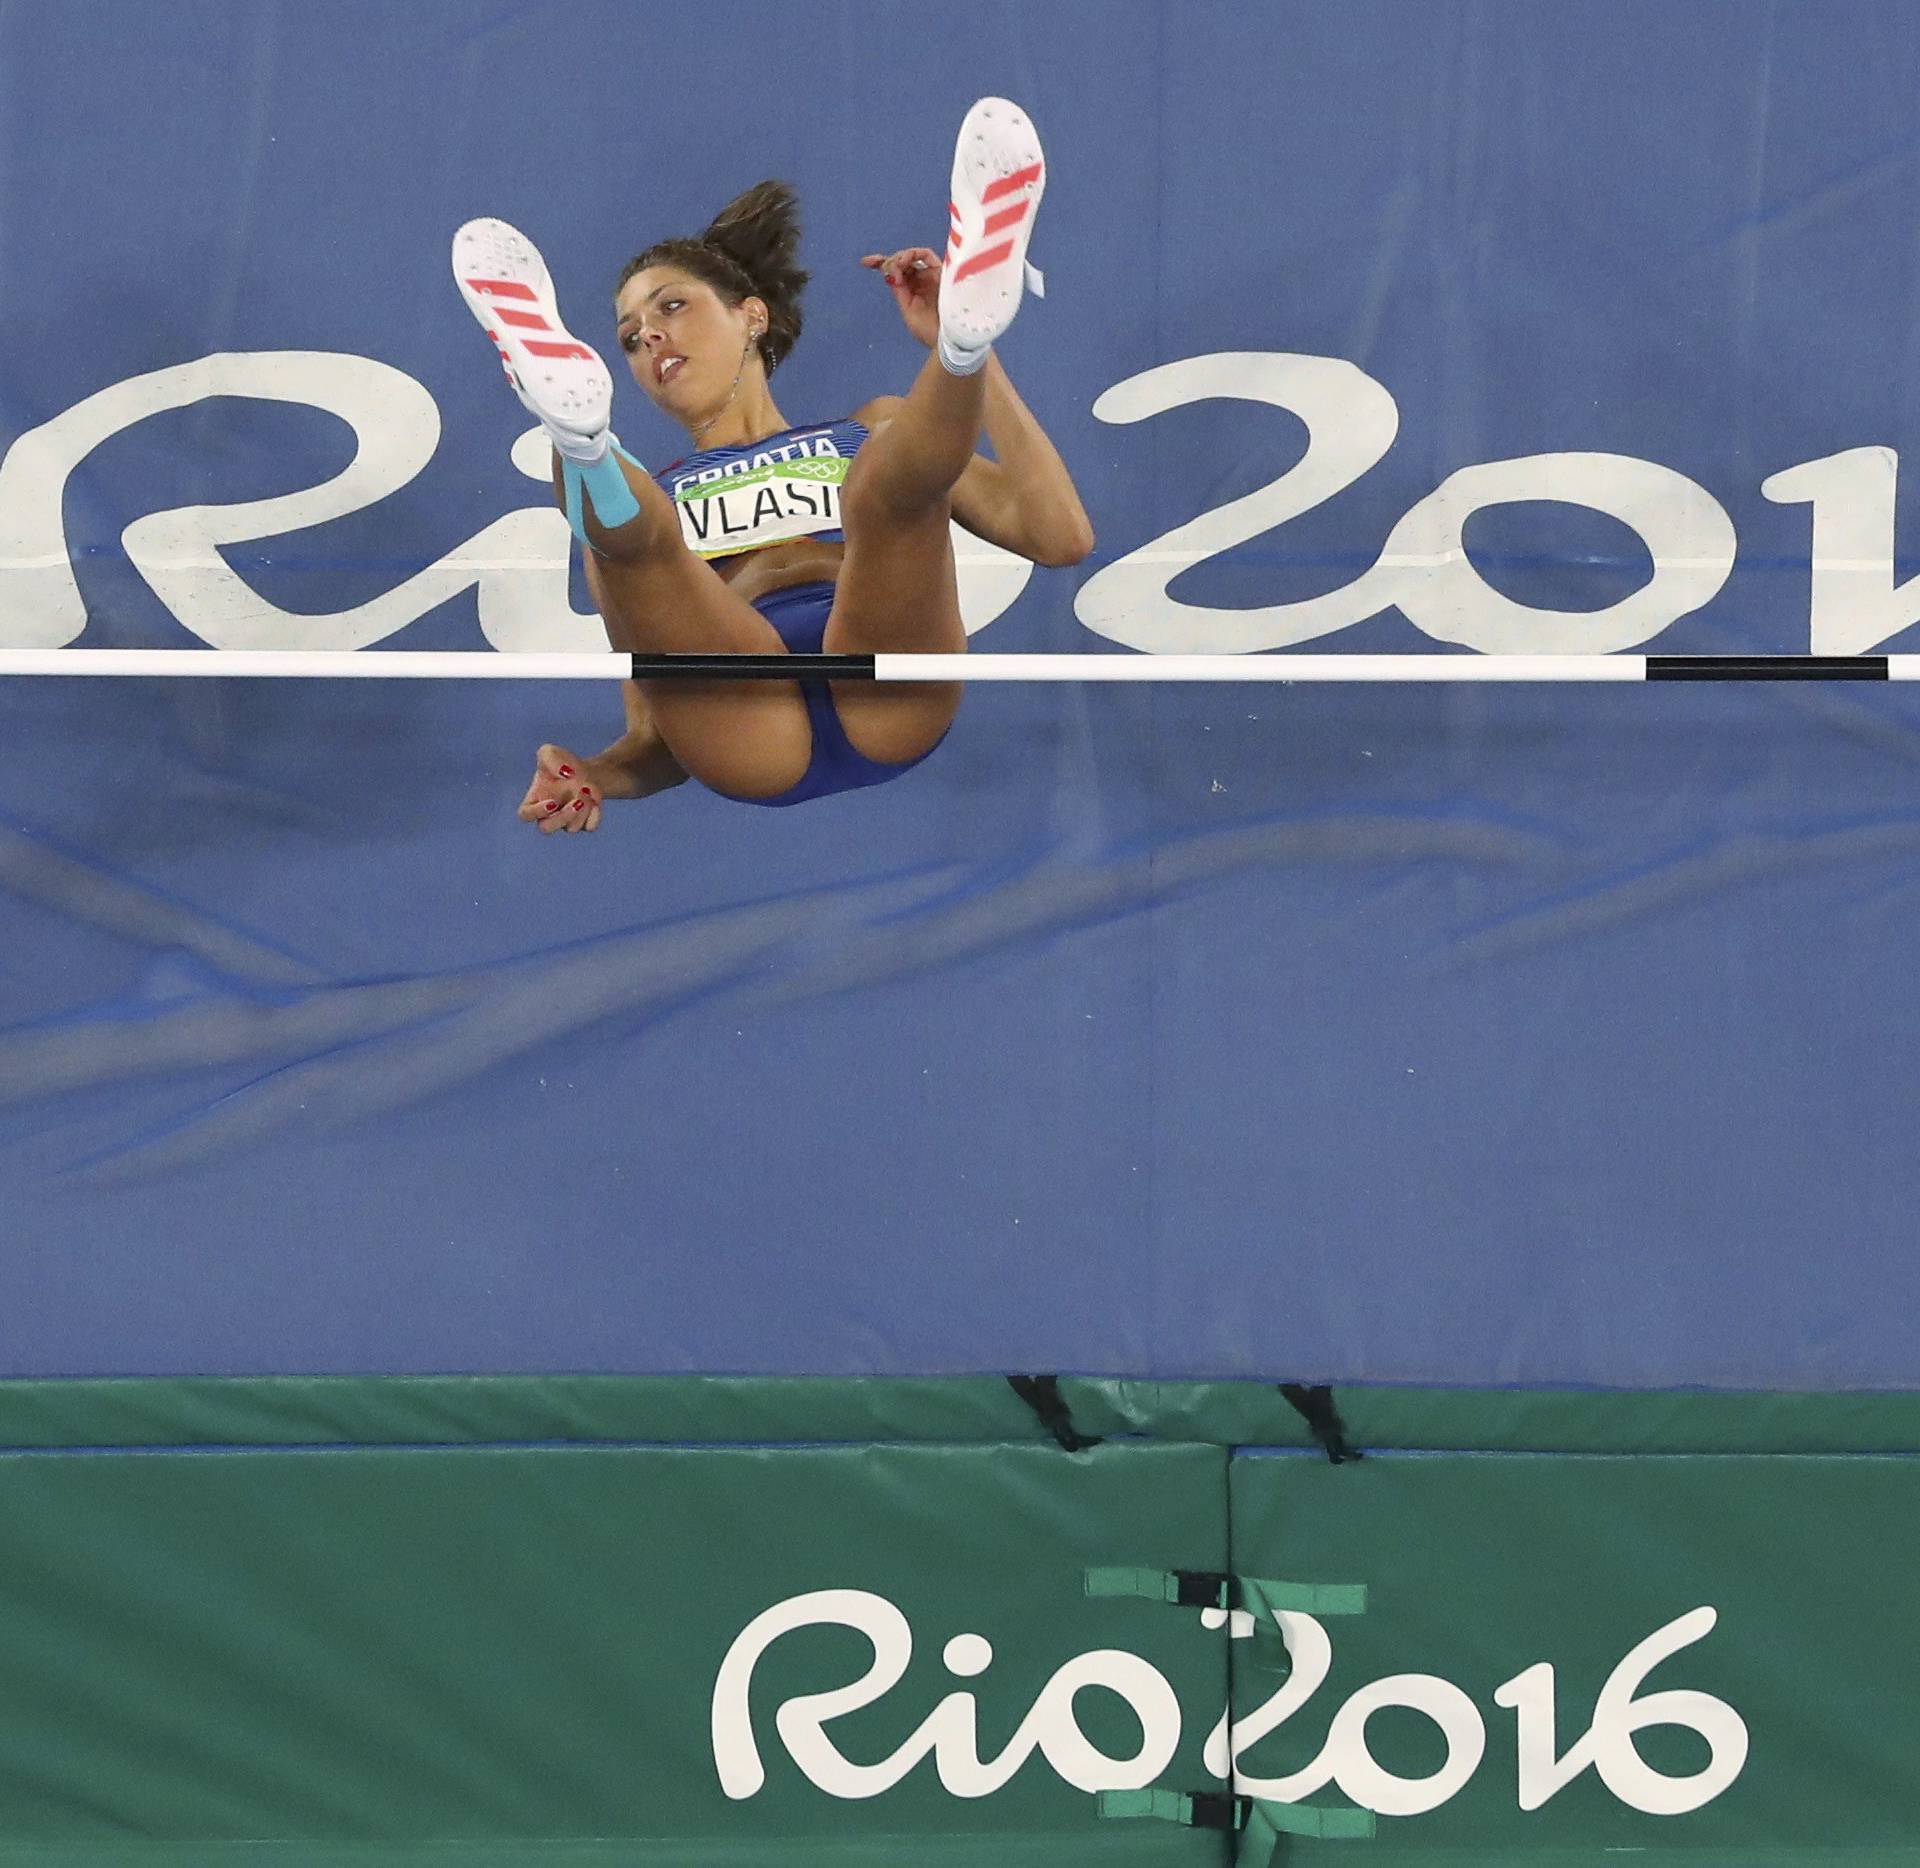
x,y
759,318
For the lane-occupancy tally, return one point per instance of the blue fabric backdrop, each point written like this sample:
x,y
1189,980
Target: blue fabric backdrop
x,y
1543,1035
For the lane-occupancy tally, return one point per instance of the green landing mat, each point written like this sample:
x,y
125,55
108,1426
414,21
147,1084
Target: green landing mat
x,y
389,1410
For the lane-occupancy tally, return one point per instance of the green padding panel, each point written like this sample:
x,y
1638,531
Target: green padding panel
x,y
1122,1846
414,1410
594,1655
1509,1420
1167,1850
331,1410
1733,1646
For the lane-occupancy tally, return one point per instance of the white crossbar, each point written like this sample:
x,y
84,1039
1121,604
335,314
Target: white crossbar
x,y
1260,667
486,665
318,664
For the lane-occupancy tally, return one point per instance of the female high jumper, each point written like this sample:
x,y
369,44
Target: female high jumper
x,y
770,538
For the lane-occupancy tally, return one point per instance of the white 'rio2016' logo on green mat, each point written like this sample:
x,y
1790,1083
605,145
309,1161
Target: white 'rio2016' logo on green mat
x,y
948,1733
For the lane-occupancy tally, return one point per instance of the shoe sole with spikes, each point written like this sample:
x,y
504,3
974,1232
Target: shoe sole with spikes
x,y
999,175
506,286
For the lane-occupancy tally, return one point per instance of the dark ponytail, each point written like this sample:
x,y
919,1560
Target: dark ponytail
x,y
748,250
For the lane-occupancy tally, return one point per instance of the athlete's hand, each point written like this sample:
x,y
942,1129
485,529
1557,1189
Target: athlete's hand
x,y
914,276
565,793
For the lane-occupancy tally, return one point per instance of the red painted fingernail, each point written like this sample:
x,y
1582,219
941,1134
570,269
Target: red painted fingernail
x,y
555,805
579,804
566,771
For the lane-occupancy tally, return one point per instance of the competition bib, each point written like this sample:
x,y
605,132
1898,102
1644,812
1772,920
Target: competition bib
x,y
767,505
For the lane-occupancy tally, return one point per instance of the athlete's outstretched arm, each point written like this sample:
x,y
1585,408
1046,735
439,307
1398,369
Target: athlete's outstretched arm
x,y
639,762
568,791
1024,501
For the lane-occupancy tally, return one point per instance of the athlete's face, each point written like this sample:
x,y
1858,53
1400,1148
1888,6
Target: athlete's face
x,y
683,341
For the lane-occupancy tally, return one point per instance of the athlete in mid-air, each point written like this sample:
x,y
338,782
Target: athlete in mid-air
x,y
771,538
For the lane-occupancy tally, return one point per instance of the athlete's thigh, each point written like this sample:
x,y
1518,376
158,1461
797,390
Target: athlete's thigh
x,y
749,738
896,595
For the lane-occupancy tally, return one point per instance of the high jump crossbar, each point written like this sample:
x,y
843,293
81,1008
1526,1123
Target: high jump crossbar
x,y
491,665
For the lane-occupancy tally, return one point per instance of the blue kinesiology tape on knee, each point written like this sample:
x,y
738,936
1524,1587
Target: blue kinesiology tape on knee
x,y
604,485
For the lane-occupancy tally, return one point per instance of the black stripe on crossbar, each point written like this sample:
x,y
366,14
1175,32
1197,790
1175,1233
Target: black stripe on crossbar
x,y
1766,668
751,667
